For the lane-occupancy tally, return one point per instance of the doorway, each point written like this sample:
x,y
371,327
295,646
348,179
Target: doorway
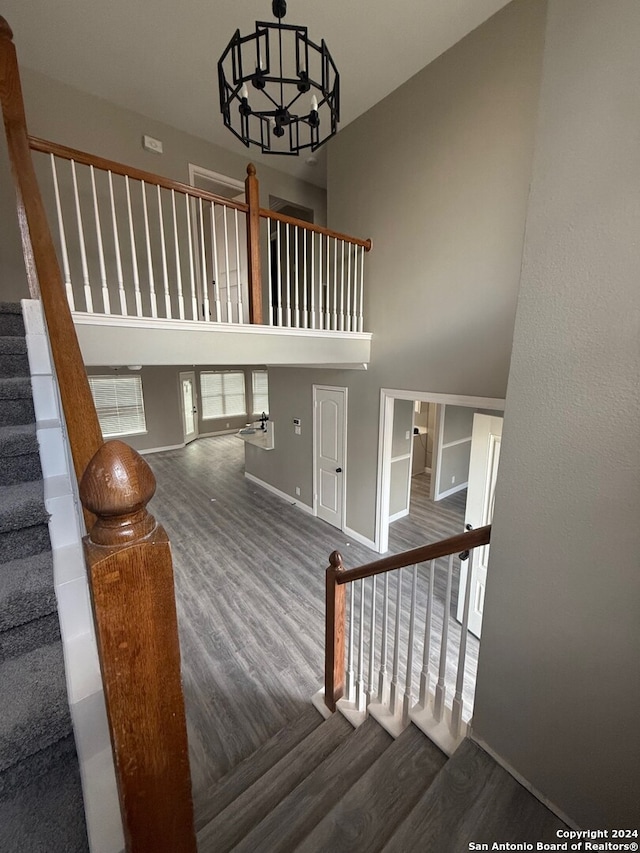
x,y
329,453
189,406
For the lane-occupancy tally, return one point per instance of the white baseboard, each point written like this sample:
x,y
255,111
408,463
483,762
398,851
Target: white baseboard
x,y
353,534
427,470
403,513
160,449
288,498
450,492
519,778
219,432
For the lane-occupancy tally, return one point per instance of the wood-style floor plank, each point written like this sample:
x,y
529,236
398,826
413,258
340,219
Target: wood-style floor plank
x,y
249,572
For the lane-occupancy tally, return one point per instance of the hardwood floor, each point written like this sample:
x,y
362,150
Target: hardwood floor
x,y
249,571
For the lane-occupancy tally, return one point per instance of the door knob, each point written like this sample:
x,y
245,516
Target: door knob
x,y
338,470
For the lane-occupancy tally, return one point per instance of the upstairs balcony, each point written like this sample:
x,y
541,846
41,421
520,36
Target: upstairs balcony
x,y
159,273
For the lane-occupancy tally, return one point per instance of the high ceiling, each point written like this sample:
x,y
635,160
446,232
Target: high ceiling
x,y
159,57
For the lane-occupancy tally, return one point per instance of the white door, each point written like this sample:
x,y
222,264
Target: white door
x,y
330,427
189,407
483,471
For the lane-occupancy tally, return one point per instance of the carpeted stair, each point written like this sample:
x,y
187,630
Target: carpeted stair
x,y
41,807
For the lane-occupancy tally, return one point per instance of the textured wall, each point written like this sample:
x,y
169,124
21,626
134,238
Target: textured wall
x,y
558,687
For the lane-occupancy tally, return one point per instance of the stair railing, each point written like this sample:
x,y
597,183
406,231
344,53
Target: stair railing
x,y
373,640
127,553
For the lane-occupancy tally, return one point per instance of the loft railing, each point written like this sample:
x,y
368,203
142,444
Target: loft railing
x,y
127,553
393,650
134,244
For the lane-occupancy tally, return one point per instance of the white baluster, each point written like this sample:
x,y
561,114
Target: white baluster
x,y
195,314
335,284
296,291
288,231
226,263
270,271
116,245
106,302
163,250
350,681
349,318
279,270
240,303
394,693
63,238
216,269
342,290
384,645
134,254
83,251
361,311
320,287
361,699
425,675
305,301
441,689
328,293
203,261
313,279
372,643
177,251
152,283
408,687
458,705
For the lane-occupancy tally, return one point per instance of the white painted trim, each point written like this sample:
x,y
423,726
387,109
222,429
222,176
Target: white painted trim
x,y
387,396
290,500
452,491
218,177
457,441
117,320
160,449
363,540
189,374
400,458
521,779
402,513
317,701
345,425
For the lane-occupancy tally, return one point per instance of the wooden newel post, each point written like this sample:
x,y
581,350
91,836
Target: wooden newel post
x,y
131,579
334,651
252,194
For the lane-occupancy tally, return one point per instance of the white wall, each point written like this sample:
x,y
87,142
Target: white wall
x,y
558,687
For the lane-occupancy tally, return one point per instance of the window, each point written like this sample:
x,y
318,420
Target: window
x,y
260,391
119,403
222,394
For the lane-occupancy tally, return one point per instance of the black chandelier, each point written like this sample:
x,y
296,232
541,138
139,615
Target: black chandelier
x,y
278,89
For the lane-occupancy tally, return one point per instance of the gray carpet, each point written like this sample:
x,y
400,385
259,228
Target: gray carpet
x,y
41,807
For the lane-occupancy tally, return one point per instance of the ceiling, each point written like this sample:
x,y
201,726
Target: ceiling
x,y
159,57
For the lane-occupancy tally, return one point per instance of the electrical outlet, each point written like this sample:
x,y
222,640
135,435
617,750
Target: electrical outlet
x,y
453,479
151,144
298,491
407,434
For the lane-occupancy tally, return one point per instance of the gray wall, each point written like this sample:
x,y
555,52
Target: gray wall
x,y
66,115
558,688
437,175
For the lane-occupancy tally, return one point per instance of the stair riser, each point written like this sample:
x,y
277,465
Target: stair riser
x,y
14,365
26,638
26,771
16,544
20,469
11,325
14,412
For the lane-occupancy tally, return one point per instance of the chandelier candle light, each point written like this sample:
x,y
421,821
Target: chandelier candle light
x,y
278,89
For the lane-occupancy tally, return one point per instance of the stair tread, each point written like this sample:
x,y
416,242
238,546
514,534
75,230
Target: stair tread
x,y
10,308
367,814
12,345
473,799
244,774
22,505
250,807
26,590
15,388
18,439
34,710
293,818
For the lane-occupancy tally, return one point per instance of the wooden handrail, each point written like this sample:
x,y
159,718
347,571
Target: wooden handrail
x,y
44,146
45,278
319,229
336,578
461,542
132,591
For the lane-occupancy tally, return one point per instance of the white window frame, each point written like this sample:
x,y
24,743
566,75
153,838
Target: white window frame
x,y
139,412
204,396
261,409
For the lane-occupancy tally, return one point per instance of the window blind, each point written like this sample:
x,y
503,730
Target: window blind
x,y
222,394
119,403
260,391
